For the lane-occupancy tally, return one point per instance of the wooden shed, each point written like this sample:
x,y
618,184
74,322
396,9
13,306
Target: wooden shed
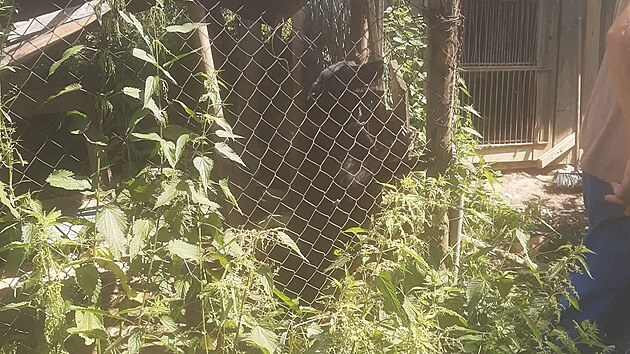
x,y
530,66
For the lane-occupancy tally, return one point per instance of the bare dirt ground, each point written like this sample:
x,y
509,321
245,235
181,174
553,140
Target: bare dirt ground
x,y
565,209
523,188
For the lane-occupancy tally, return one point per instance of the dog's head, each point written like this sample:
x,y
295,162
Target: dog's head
x,y
346,76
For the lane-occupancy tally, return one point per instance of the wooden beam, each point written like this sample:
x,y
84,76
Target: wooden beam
x,y
568,72
591,48
29,48
202,39
34,8
375,13
557,151
356,44
547,81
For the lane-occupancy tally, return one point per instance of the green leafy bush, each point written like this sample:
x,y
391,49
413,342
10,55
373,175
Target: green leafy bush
x,y
154,267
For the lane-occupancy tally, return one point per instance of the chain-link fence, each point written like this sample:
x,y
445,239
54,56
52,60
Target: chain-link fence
x,y
305,106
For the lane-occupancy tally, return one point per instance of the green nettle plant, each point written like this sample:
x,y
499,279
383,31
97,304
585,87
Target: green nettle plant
x,y
153,267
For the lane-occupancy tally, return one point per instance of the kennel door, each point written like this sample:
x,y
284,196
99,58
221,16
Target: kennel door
x,y
504,67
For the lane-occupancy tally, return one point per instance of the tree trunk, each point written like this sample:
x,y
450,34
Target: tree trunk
x,y
443,23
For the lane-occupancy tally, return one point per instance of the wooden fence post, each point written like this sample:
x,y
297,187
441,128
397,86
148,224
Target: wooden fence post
x,y
443,23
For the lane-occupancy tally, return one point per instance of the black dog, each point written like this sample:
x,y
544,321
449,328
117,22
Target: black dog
x,y
338,180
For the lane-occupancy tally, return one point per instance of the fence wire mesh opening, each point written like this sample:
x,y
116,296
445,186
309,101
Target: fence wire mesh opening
x,y
278,117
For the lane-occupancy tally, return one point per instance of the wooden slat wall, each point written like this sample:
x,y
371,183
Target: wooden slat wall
x,y
568,71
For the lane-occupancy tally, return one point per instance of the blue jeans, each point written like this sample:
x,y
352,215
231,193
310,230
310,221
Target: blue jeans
x,y
604,299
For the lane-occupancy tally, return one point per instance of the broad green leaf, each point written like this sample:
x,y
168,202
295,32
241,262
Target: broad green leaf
x,y
87,278
473,132
180,145
184,28
111,222
265,339
204,166
168,149
533,327
89,326
159,114
187,109
168,75
184,250
472,111
136,117
504,285
169,324
149,58
228,135
66,90
148,103
287,241
66,180
29,231
69,53
135,342
390,298
523,239
150,137
221,122
294,304
225,187
573,301
266,279
181,288
167,196
475,292
226,151
132,20
6,200
141,229
79,122
201,198
149,89
132,92
104,260
411,311
313,330
143,55
179,57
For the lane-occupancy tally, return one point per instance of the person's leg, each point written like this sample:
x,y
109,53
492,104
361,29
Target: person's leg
x,y
601,297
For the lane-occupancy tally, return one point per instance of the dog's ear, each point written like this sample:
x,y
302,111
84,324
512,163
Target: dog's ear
x,y
370,71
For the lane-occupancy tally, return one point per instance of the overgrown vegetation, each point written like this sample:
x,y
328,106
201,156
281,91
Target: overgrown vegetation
x,y
155,267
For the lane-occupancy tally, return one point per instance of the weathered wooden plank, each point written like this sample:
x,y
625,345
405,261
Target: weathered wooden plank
x,y
25,50
560,149
510,153
375,15
549,39
592,37
568,71
203,41
356,44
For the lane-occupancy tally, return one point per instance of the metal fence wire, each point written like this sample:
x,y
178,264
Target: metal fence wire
x,y
309,96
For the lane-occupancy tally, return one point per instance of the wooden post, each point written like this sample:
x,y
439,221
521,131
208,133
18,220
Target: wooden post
x,y
375,15
357,42
591,48
443,22
198,14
